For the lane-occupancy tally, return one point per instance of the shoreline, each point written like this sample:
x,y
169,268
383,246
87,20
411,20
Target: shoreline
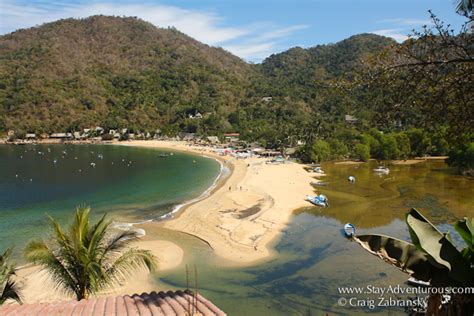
x,y
237,239
240,217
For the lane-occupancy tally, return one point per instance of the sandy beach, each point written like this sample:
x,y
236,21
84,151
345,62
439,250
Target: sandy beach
x,y
240,219
247,210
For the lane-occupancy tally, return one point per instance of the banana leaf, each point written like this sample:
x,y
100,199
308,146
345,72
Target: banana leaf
x,y
426,237
465,229
405,256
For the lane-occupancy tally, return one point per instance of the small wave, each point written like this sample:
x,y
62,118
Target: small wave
x,y
223,171
129,226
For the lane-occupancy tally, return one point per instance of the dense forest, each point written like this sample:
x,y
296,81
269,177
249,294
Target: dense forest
x,y
335,101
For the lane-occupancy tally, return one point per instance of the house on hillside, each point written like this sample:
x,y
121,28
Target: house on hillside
x,y
213,139
78,135
350,119
197,116
187,136
61,135
232,138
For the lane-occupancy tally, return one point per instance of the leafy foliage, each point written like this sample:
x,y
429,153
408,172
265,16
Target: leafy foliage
x,y
8,287
430,257
88,258
409,99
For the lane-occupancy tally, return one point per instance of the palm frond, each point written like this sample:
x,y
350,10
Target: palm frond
x,y
118,242
59,272
8,287
96,234
10,291
129,262
85,260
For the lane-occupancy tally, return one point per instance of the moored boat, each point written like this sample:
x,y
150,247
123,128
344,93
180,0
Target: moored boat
x,y
349,230
318,200
318,170
382,170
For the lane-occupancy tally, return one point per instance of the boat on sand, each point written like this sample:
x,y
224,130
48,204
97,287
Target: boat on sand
x,y
318,200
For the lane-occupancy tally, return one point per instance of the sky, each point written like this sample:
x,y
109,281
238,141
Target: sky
x,y
252,30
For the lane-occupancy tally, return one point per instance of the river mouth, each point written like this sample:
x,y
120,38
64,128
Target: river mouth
x,y
314,260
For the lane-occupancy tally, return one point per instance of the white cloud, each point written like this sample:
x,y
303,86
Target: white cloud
x,y
406,21
252,51
259,46
396,34
247,41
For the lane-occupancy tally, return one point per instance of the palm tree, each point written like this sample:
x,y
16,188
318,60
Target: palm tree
x,y
8,287
88,258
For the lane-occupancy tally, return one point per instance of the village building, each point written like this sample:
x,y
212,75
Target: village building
x,y
60,135
350,119
213,139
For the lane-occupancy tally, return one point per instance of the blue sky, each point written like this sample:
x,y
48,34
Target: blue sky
x,y
252,30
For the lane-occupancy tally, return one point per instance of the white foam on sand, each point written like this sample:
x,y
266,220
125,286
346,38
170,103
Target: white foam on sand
x,y
129,226
223,171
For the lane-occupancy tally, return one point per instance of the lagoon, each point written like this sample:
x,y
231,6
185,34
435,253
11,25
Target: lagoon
x,y
314,260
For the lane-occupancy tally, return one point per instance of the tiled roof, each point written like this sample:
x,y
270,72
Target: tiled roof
x,y
147,304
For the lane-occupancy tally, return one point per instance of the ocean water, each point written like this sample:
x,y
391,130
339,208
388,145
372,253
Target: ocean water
x,y
125,182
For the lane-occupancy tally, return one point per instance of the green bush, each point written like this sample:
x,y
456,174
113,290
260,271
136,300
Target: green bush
x,y
403,144
107,137
320,151
420,143
362,152
338,149
462,157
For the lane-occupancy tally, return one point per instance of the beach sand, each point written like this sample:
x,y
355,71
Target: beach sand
x,y
240,220
246,213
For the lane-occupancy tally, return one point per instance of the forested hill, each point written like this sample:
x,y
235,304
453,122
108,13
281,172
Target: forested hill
x,y
112,71
124,72
300,70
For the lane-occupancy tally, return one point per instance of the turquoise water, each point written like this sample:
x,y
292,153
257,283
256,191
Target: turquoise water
x,y
133,182
314,259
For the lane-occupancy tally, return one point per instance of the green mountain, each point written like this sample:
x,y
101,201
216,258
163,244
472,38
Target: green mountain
x,y
124,72
115,72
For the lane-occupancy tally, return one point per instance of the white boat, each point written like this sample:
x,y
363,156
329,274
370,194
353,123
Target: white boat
x,y
382,170
318,170
416,282
318,200
349,230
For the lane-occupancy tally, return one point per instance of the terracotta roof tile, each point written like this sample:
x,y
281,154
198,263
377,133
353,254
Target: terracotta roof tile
x,y
180,303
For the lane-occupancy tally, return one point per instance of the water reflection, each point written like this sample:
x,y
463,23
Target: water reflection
x,y
314,259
